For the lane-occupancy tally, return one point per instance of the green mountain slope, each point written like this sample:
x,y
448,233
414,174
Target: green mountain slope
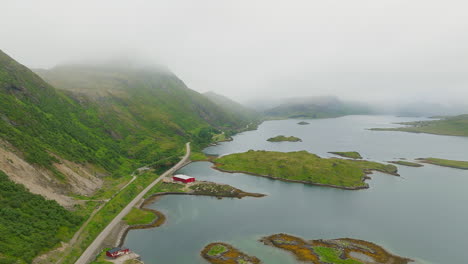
x,y
40,120
110,119
231,106
149,109
315,107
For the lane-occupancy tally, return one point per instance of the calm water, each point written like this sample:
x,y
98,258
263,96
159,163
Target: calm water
x,y
422,214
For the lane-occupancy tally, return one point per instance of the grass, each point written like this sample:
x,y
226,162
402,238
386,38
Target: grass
x,y
139,217
332,255
406,163
348,154
216,250
106,214
163,187
303,166
446,163
450,126
197,156
101,259
282,138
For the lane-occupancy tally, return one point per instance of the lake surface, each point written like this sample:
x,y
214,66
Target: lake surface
x,y
422,215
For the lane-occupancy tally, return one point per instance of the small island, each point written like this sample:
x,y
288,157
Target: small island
x,y
406,163
303,123
282,138
222,253
463,165
303,167
339,251
348,154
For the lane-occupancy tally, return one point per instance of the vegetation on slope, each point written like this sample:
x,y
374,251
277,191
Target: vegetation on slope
x,y
39,120
303,166
348,154
30,224
446,163
148,109
450,126
282,138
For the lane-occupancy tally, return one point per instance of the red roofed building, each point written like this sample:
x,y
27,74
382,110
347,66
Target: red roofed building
x,y
117,252
183,178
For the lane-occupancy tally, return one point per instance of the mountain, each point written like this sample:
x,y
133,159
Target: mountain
x,y
232,106
78,134
315,107
148,109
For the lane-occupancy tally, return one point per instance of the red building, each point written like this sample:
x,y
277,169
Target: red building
x,y
183,178
117,252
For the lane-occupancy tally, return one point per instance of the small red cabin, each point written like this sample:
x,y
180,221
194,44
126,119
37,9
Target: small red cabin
x,y
183,178
117,252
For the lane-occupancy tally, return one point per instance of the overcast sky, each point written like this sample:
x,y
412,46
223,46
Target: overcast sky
x,y
359,49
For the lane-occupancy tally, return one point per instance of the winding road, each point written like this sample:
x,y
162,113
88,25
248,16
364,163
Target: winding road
x,y
89,254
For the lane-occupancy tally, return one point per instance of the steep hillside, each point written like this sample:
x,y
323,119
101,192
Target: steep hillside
x,y
231,106
65,144
315,107
149,109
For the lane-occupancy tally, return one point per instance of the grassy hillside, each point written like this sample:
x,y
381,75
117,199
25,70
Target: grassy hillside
x,y
450,126
315,107
113,118
149,109
39,120
234,107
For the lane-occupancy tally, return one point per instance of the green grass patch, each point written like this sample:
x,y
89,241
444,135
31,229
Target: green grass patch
x,y
303,166
332,255
217,250
139,217
282,138
163,187
446,163
197,156
348,154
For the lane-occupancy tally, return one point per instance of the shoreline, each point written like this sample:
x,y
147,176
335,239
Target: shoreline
x,y
366,177
298,181
161,218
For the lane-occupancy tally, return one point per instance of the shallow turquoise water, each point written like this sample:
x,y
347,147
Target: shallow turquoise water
x,y
421,215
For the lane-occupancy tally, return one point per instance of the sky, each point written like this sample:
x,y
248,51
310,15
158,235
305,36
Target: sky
x,y
379,50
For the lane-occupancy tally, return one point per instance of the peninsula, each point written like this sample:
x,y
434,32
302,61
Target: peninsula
x,y
303,167
446,163
349,154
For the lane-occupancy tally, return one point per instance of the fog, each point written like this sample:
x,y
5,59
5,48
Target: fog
x,y
367,50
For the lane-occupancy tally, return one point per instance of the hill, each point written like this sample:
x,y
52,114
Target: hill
x,y
450,126
315,107
85,139
232,106
149,109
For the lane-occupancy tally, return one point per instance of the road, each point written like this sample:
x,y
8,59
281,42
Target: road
x,y
89,254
